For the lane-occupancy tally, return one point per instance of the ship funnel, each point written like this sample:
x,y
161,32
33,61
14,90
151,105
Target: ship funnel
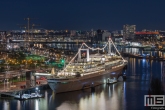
x,y
87,55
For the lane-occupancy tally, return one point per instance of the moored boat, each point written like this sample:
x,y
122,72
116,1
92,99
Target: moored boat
x,y
92,70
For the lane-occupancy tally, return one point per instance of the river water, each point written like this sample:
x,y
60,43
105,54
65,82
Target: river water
x,y
126,95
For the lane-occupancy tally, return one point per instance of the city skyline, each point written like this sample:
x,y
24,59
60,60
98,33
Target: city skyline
x,y
83,15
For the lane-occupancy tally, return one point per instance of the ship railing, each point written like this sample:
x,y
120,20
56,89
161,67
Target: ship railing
x,y
86,69
115,65
94,72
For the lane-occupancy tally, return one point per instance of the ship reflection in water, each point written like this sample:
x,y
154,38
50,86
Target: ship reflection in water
x,y
104,95
119,96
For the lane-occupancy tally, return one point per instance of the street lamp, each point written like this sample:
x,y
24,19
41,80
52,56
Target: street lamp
x,y
7,65
4,83
7,69
35,65
26,63
21,71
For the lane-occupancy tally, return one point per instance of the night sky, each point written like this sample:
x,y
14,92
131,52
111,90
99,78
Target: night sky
x,y
83,14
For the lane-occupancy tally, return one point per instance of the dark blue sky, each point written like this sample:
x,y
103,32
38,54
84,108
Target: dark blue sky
x,y
83,14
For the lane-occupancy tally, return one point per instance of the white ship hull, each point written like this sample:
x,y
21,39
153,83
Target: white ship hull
x,y
86,81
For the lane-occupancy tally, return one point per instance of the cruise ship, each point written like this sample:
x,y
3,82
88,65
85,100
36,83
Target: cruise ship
x,y
104,66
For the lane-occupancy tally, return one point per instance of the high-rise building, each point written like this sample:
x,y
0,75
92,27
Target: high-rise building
x,y
106,35
2,35
117,33
129,31
72,32
98,37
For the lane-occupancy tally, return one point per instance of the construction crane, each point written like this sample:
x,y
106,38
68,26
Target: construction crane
x,y
28,23
34,25
22,26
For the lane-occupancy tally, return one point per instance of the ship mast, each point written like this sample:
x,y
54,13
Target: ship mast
x,y
109,46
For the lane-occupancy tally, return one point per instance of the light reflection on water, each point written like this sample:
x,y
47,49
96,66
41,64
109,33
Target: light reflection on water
x,y
6,105
120,96
105,99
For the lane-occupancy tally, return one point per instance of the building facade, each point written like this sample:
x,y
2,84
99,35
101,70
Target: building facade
x,y
129,32
147,36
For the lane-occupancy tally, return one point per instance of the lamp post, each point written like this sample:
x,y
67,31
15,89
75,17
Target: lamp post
x,y
21,71
35,65
4,83
5,76
7,66
9,80
26,63
64,62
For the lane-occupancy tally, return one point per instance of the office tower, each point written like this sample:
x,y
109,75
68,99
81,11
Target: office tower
x,y
129,32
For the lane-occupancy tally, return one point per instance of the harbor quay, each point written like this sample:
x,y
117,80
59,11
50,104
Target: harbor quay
x,y
28,84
